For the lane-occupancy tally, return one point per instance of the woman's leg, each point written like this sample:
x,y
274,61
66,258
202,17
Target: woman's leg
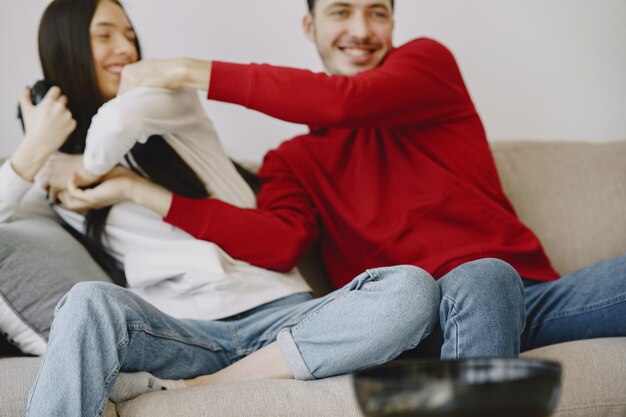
x,y
588,303
380,314
100,329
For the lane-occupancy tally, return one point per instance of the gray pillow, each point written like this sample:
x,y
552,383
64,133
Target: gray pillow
x,y
39,262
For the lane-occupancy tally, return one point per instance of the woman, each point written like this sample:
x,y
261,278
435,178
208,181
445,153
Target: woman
x,y
240,321
181,152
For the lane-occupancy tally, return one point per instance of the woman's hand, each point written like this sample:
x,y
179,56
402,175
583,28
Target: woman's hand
x,y
59,169
114,188
47,127
119,185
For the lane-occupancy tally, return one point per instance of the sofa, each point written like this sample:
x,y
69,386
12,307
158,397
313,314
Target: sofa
x,y
572,194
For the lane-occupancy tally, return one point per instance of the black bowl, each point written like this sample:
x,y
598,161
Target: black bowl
x,y
491,387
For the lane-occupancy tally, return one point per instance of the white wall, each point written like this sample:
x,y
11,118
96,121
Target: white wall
x,y
536,69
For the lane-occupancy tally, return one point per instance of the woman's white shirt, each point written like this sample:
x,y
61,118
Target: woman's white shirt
x,y
183,276
19,199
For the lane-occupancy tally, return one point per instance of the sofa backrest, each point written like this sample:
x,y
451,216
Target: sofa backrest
x,y
571,194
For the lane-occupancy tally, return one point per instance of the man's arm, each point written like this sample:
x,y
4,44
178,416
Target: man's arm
x,y
166,73
275,236
418,83
121,184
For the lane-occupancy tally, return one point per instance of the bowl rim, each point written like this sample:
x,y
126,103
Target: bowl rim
x,y
377,372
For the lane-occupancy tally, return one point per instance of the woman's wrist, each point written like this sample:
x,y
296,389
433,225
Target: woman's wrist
x,y
27,160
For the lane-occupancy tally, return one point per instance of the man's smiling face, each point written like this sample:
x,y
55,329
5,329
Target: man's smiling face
x,y
351,36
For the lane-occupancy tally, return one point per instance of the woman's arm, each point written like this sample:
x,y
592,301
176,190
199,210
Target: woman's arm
x,y
47,126
134,117
117,127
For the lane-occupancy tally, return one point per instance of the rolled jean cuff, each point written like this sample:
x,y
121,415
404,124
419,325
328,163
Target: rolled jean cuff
x,y
292,356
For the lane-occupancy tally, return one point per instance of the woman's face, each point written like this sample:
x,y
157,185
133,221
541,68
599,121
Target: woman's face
x,y
112,44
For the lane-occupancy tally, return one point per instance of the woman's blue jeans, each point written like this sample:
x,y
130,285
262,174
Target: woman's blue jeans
x,y
100,329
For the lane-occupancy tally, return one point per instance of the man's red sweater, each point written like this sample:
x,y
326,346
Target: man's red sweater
x,y
395,170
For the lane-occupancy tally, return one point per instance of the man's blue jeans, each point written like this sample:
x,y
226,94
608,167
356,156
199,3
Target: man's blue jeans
x,y
588,303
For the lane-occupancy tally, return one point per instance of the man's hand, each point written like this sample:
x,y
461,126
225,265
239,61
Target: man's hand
x,y
47,127
59,169
166,73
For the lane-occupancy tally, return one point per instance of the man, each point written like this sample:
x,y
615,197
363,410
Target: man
x,y
396,170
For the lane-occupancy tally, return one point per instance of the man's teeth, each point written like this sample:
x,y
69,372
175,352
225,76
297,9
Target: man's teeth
x,y
356,52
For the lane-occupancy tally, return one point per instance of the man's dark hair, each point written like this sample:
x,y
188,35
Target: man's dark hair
x,y
312,3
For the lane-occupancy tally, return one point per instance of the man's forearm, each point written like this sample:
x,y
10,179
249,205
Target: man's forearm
x,y
151,196
167,73
197,74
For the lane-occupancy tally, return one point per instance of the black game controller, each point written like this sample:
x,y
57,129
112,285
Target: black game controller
x,y
37,93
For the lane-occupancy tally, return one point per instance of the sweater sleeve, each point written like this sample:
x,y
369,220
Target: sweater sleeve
x,y
134,117
418,83
275,236
12,190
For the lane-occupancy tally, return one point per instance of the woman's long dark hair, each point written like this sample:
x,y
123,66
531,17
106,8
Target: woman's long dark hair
x,y
67,61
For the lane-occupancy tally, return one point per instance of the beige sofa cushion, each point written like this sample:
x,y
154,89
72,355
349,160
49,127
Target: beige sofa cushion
x,y
572,195
593,385
332,397
594,380
17,375
594,376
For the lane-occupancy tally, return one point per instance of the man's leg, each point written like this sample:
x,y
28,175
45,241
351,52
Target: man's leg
x,y
588,303
372,320
482,310
100,329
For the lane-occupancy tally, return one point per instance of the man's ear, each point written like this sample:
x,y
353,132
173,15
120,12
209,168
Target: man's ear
x,y
308,27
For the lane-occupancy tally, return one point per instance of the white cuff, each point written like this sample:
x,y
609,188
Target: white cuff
x,y
12,190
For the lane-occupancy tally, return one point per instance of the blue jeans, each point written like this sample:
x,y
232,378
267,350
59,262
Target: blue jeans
x,y
100,329
481,312
588,303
